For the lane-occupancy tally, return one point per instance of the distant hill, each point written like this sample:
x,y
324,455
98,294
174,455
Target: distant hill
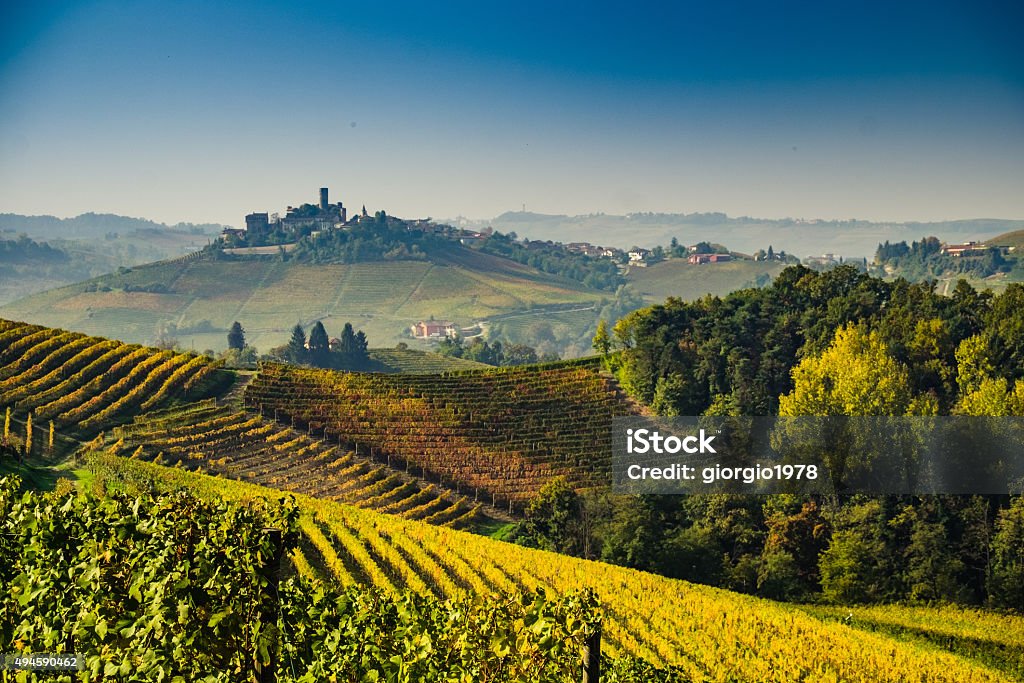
x,y
93,243
1010,239
853,238
93,225
201,296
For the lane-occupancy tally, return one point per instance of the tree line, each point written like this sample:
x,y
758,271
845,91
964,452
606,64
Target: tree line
x,y
830,343
350,351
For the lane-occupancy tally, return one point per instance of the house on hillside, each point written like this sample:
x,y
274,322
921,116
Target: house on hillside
x,y
698,259
434,329
469,237
585,248
967,249
638,256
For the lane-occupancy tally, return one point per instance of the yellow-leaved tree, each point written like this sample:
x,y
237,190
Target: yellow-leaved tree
x,y
981,392
855,376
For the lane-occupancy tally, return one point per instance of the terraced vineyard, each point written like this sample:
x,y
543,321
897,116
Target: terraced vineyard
x,y
502,432
243,446
83,383
709,634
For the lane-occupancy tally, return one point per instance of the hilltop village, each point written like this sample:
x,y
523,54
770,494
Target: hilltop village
x,y
312,220
327,232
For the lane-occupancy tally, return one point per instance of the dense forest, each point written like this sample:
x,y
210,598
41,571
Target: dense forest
x,y
832,343
924,259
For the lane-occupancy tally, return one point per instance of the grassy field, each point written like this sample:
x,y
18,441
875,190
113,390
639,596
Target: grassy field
x,y
677,277
201,298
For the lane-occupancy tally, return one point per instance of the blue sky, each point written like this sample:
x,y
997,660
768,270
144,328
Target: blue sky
x,y
202,111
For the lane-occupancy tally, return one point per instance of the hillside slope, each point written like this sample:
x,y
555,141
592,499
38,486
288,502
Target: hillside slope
x,y
711,634
1013,239
201,297
679,278
81,384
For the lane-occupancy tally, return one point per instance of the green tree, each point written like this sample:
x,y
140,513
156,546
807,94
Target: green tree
x,y
778,576
602,341
295,350
319,345
853,568
982,392
552,519
801,535
633,537
362,345
347,341
236,336
932,567
1006,585
519,354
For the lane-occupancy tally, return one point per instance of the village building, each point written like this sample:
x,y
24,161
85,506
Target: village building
x,y
434,329
638,254
297,221
967,249
698,259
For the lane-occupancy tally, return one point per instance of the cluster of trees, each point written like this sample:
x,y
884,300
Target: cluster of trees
x,y
239,354
26,257
495,353
967,549
349,353
736,355
382,238
924,259
27,250
832,343
548,257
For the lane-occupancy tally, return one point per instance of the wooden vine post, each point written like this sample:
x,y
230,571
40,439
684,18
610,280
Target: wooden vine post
x,y
592,657
272,572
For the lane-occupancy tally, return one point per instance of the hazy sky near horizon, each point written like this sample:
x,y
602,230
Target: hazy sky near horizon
x,y
203,111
